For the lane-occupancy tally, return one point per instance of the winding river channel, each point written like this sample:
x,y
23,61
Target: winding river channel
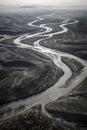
x,y
57,90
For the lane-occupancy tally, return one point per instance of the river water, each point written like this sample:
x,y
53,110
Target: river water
x,y
57,90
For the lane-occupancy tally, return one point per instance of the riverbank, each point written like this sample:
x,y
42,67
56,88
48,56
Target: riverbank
x,y
71,107
35,119
25,73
